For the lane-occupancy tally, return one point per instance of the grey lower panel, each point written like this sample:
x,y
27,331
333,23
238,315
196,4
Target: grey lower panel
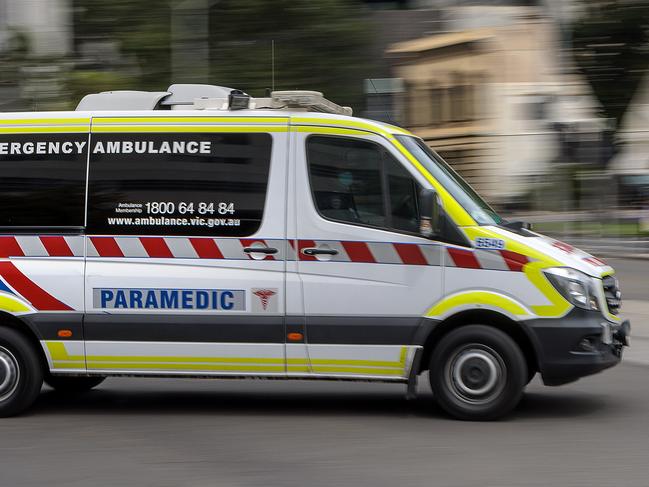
x,y
352,330
47,325
184,328
361,330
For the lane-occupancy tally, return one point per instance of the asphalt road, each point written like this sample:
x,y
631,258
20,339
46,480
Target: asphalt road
x,y
155,432
133,432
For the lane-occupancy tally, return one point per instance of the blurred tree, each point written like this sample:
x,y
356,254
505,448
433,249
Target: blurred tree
x,y
610,44
141,30
323,45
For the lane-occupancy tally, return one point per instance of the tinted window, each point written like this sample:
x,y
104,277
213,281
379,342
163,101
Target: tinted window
x,y
359,182
404,197
178,184
464,194
43,180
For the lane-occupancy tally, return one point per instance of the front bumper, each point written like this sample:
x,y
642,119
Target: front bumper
x,y
579,344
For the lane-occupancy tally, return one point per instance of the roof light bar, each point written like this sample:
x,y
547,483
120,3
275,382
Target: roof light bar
x,y
313,100
209,97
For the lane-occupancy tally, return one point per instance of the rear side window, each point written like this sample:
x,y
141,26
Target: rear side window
x,y
359,182
178,184
43,180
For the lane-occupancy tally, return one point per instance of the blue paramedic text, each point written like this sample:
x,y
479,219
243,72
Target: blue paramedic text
x,y
199,299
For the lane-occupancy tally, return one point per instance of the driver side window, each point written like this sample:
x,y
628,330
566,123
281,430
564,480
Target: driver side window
x,y
359,182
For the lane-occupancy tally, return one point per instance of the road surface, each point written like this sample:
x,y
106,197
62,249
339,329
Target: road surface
x,y
155,432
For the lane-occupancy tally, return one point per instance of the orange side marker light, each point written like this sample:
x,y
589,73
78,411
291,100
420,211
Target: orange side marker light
x,y
295,337
64,333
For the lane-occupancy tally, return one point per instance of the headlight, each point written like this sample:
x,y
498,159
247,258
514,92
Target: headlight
x,y
575,286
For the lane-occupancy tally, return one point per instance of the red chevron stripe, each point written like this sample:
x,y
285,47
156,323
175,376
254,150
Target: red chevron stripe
x,y
156,247
595,261
410,254
358,252
38,297
206,248
463,258
107,246
9,247
514,260
56,246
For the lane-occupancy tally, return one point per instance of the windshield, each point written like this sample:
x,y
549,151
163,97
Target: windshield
x,y
464,194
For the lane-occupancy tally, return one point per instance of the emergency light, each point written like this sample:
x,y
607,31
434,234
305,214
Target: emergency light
x,y
209,97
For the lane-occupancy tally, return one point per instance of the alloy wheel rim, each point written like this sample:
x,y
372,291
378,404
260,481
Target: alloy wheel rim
x,y
9,374
475,374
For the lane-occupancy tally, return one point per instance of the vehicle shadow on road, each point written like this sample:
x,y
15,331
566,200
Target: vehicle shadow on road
x,y
389,402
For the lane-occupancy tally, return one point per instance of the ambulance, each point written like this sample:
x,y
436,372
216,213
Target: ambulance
x,y
200,232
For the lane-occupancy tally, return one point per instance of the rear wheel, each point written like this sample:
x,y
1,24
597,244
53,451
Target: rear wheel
x,y
477,373
73,384
21,372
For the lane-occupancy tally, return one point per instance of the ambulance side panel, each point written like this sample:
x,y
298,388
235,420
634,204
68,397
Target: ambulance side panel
x,y
180,213
43,162
363,301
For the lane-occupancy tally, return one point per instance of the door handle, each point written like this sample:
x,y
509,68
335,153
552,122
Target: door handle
x,y
260,250
316,251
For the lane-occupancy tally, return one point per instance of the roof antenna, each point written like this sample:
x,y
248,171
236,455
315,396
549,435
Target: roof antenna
x,y
387,112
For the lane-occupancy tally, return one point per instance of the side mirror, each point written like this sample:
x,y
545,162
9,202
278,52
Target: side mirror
x,y
430,213
518,225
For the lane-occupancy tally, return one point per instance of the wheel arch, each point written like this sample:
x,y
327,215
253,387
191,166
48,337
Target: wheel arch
x,y
515,330
27,330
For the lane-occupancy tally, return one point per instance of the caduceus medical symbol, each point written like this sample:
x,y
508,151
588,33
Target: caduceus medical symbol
x,y
264,295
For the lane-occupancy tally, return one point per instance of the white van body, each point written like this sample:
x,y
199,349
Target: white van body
x,y
220,243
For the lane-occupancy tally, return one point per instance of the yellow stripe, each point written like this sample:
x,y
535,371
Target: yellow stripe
x,y
246,360
188,128
238,368
69,365
68,129
358,370
560,306
61,359
475,299
387,130
399,130
196,119
181,366
45,121
331,130
165,359
451,206
403,356
533,271
12,304
357,124
58,352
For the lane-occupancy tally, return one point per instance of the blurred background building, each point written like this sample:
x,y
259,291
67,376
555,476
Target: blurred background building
x,y
542,105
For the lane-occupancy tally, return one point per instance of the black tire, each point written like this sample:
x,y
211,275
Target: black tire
x,y
477,373
21,372
73,384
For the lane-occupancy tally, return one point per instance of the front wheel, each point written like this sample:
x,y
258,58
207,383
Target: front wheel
x,y
477,373
21,372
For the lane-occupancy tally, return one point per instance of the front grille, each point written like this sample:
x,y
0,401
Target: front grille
x,y
612,294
